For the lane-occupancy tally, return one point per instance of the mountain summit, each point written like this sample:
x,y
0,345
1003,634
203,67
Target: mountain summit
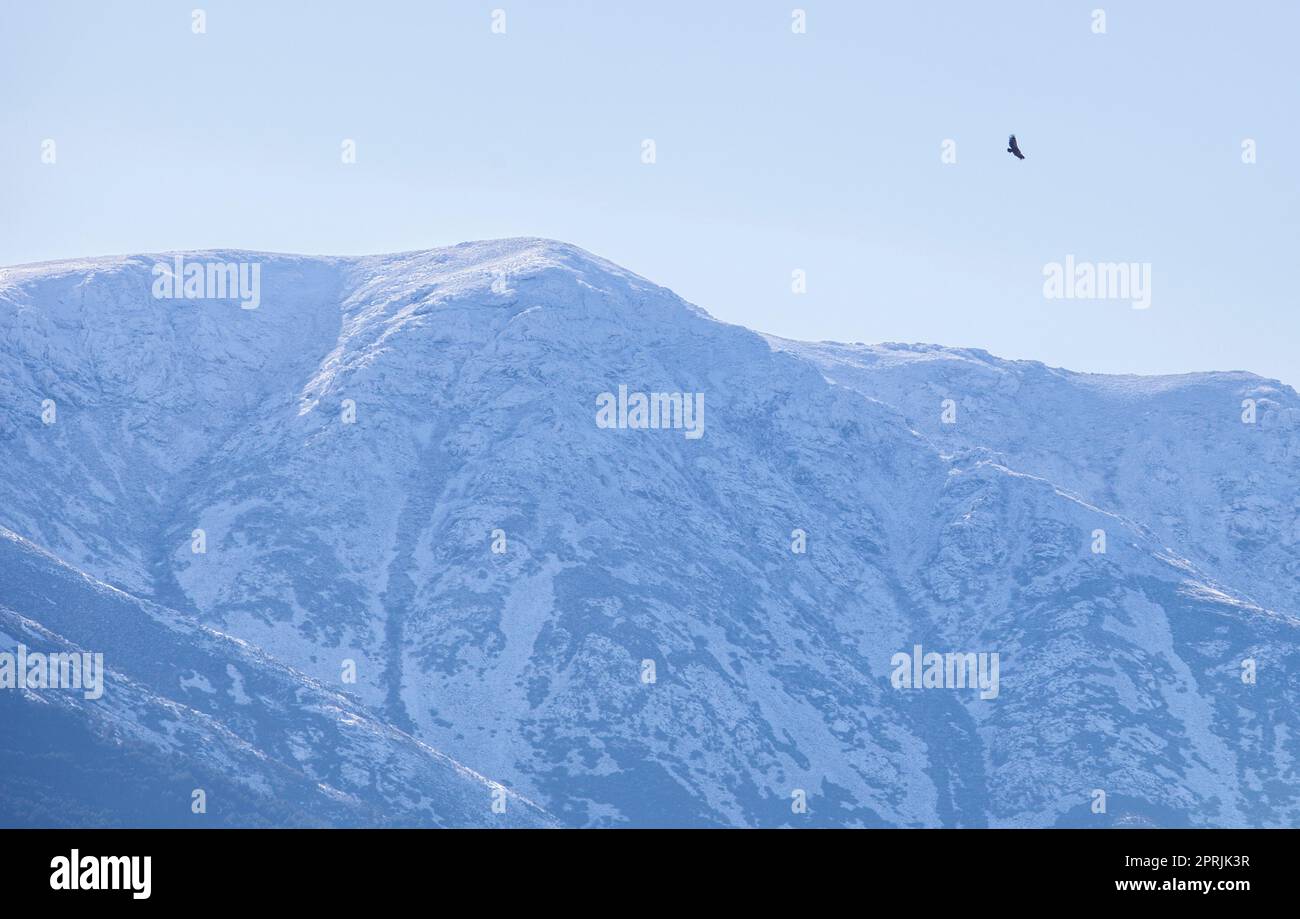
x,y
372,537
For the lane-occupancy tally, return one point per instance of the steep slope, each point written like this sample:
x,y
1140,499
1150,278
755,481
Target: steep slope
x,y
355,449
185,708
142,391
1170,452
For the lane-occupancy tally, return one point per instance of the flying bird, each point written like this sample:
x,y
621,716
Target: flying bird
x,y
1013,147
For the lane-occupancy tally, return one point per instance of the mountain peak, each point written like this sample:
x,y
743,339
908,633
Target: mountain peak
x,y
521,255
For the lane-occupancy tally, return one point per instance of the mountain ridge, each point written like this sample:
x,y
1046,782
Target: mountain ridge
x,y
545,247
470,374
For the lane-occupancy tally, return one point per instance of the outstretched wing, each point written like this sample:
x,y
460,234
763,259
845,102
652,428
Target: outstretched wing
x,y
1014,147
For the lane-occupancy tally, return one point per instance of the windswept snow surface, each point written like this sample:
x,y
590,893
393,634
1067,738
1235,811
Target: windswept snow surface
x,y
473,374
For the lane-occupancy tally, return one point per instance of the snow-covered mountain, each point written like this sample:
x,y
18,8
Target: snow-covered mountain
x,y
398,464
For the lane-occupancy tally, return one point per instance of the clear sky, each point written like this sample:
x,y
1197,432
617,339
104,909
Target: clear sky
x,y
775,151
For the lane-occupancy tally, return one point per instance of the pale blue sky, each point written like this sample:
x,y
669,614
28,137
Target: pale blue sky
x,y
776,151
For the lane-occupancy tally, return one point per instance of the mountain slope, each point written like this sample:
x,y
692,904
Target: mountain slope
x,y
1170,452
185,708
355,448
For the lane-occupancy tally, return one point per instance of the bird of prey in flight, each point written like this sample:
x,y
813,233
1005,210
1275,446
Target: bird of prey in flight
x,y
1013,147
